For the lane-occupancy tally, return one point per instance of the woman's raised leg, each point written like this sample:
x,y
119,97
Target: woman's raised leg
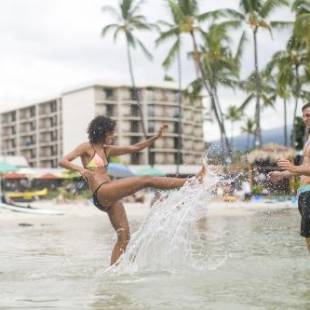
x,y
118,218
118,189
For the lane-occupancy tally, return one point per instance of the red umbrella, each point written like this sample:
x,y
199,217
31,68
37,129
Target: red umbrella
x,y
14,176
49,176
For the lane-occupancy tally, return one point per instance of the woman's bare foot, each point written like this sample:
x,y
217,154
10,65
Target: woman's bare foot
x,y
202,172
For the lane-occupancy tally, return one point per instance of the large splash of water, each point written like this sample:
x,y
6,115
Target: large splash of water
x,y
173,236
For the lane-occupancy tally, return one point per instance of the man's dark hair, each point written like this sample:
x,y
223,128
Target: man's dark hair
x,y
305,106
99,127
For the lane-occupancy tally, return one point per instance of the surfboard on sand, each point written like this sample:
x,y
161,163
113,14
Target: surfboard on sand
x,y
29,209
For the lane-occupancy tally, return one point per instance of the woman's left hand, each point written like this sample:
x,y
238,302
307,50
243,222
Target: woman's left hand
x,y
285,164
161,130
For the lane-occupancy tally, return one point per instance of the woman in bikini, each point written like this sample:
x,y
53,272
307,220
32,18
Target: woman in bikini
x,y
107,193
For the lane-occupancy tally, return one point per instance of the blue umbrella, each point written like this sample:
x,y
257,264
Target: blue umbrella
x,y
5,167
151,171
119,171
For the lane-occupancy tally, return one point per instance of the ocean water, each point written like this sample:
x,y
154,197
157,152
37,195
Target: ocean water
x,y
235,258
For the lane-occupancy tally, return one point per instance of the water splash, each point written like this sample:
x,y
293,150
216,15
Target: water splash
x,y
173,237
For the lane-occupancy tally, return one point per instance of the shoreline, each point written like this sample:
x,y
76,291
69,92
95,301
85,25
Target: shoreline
x,y
85,209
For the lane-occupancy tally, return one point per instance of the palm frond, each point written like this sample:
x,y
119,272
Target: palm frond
x,y
240,48
245,103
233,14
171,54
282,24
164,23
167,35
109,28
211,15
300,5
111,10
137,7
144,50
270,5
176,11
117,32
131,40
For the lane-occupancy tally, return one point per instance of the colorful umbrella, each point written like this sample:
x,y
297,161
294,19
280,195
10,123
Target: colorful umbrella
x,y
5,167
151,171
119,171
14,176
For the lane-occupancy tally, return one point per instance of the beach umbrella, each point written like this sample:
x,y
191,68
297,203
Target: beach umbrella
x,y
14,176
151,171
119,171
5,168
49,176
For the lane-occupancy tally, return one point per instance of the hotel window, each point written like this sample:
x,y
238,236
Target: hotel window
x,y
176,127
134,140
176,112
151,110
151,126
109,110
32,111
134,93
134,110
109,93
53,106
13,116
135,126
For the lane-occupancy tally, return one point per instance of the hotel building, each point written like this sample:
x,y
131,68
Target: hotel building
x,y
43,132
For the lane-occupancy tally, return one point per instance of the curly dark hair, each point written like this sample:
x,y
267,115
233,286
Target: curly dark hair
x,y
99,127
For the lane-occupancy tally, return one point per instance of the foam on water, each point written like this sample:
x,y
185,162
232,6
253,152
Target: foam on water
x,y
173,236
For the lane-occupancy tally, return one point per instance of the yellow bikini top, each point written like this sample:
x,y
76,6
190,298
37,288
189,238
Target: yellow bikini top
x,y
97,161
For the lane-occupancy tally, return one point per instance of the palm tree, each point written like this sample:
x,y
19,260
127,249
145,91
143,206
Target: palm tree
x,y
267,94
129,20
249,129
173,32
302,23
221,66
299,47
255,14
296,59
189,18
281,75
233,114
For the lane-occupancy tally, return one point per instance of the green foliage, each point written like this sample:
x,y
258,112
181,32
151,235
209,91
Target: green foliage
x,y
300,133
257,189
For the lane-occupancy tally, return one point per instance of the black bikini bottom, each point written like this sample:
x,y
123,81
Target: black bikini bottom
x,y
96,201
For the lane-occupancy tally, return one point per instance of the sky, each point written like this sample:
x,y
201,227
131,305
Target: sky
x,y
52,45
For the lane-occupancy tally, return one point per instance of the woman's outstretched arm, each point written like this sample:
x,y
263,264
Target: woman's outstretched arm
x,y
114,150
66,161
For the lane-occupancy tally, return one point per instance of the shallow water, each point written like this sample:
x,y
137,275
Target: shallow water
x,y
57,263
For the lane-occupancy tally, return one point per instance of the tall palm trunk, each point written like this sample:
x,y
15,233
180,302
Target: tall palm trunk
x,y
213,102
179,154
136,96
247,141
258,132
296,105
285,122
221,115
232,136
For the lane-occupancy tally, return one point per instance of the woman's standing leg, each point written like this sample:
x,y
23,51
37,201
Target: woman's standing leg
x,y
118,218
